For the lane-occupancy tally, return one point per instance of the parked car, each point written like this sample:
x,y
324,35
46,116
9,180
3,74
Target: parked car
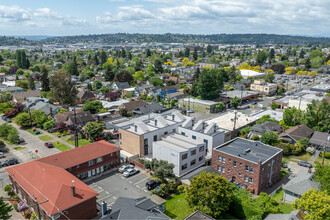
x,y
2,155
52,130
190,111
305,164
131,172
246,107
10,161
49,145
20,140
151,184
125,167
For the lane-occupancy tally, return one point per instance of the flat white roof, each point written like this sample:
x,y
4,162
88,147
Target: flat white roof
x,y
204,102
277,115
107,104
247,73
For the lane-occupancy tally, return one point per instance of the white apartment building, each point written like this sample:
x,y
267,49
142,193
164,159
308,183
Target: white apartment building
x,y
210,134
183,152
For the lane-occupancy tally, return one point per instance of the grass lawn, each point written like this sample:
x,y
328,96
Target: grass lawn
x,y
286,208
7,142
319,160
32,132
304,156
177,207
19,148
81,142
60,146
45,138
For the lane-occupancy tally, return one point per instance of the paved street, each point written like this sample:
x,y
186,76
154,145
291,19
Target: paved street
x,y
116,185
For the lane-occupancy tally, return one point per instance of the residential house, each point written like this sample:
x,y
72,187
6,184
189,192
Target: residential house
x,y
12,89
198,215
120,85
84,95
148,108
250,164
206,65
138,135
294,215
274,114
204,106
268,126
298,185
184,153
129,208
56,180
48,108
132,105
261,86
163,91
175,79
82,118
210,134
294,134
31,101
319,140
20,97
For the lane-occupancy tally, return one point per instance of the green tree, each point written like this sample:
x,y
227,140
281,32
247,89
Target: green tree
x,y
308,64
315,203
72,68
209,193
270,138
39,117
245,131
209,49
109,73
62,89
265,118
317,115
22,83
235,101
162,169
272,53
44,79
195,55
5,97
124,76
18,58
22,119
5,106
273,106
48,124
13,136
31,84
103,57
93,130
97,84
158,66
139,75
267,204
92,106
210,84
220,106
322,175
293,117
187,52
261,58
5,209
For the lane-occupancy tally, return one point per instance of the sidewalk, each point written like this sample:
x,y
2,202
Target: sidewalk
x,y
314,157
13,213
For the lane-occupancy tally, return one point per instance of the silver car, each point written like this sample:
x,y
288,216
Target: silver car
x,y
125,167
131,172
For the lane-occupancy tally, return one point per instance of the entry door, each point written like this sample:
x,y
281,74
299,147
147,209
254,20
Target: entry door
x,y
93,172
89,173
98,170
102,169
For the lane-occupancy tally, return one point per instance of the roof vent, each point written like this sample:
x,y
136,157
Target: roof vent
x,y
239,155
248,150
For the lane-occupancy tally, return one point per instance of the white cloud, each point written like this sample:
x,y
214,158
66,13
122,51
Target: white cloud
x,y
14,14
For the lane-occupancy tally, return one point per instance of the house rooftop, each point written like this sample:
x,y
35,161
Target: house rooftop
x,y
249,150
76,156
277,115
301,183
204,102
178,142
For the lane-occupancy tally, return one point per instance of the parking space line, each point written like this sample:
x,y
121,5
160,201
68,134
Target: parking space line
x,y
140,181
137,186
100,187
122,177
100,191
130,181
103,198
114,197
135,176
144,188
106,192
145,191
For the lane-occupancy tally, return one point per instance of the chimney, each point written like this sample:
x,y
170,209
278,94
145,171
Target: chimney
x,y
73,188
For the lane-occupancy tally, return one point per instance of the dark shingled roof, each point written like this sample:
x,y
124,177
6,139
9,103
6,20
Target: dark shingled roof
x,y
258,150
198,215
298,132
267,126
320,138
130,106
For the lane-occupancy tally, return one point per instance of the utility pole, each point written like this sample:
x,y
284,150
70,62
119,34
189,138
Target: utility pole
x,y
287,86
30,117
241,96
234,129
226,100
76,143
38,206
326,143
300,102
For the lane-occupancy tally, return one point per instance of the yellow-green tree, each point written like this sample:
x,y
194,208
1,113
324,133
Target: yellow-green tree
x,y
315,204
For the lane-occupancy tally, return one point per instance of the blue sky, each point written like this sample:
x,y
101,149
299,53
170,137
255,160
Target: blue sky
x,y
74,17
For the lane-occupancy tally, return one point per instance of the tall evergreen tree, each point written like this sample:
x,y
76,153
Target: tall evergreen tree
x,y
31,84
148,53
109,74
44,79
308,64
73,67
272,53
23,59
195,55
209,49
96,60
5,209
103,57
158,66
18,59
187,52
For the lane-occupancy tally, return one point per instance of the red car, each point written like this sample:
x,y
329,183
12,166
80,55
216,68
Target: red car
x,y
49,145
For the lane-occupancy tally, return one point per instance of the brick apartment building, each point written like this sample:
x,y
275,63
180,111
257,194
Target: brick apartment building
x,y
250,164
55,181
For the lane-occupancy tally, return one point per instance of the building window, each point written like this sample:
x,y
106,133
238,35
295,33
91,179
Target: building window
x,y
269,165
263,169
98,160
206,142
239,174
193,162
184,156
183,133
83,175
165,133
251,169
184,166
229,160
173,130
91,162
246,178
219,168
262,180
228,170
247,168
234,163
156,122
77,166
223,169
223,159
240,164
219,158
193,137
119,135
250,179
200,158
155,138
193,152
201,148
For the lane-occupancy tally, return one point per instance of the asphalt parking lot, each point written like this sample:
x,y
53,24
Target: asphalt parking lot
x,y
113,186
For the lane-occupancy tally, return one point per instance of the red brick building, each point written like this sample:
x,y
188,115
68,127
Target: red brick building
x,y
250,164
54,182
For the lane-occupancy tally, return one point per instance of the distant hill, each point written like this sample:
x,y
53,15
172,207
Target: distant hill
x,y
34,37
120,38
190,38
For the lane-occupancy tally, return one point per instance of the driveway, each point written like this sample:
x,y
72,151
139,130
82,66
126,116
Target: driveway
x,y
111,187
